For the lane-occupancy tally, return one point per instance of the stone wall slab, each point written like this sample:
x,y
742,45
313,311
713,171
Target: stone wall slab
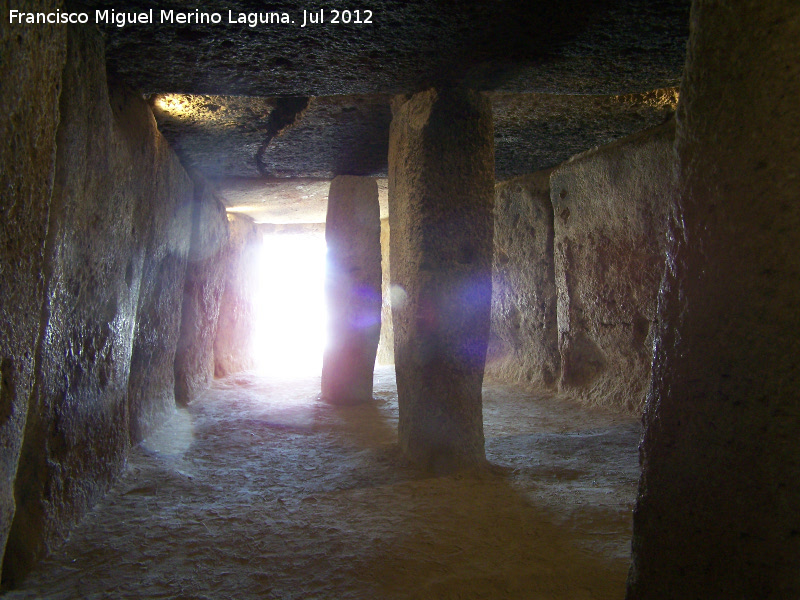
x,y
611,207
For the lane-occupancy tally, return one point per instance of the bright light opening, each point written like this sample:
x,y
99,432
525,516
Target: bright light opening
x,y
290,319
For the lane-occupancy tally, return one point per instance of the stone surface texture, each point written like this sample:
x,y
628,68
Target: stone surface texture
x,y
202,293
523,344
352,290
611,208
222,136
539,131
386,342
30,115
111,168
569,47
233,345
252,454
717,513
441,197
164,229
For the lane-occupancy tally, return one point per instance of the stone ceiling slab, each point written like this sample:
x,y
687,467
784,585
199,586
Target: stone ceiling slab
x,y
563,77
539,131
565,47
221,136
285,201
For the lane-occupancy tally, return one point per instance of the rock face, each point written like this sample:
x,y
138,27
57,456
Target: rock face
x,y
352,289
164,229
441,197
221,135
233,344
524,335
579,47
114,177
539,131
386,342
611,207
30,115
717,513
205,280
225,137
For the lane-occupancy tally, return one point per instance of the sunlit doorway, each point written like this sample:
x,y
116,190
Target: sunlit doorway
x,y
290,320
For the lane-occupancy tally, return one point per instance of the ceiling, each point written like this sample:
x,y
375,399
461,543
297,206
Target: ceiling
x,y
271,113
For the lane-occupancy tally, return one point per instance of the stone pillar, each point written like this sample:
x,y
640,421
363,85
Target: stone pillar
x,y
718,513
352,289
441,197
386,342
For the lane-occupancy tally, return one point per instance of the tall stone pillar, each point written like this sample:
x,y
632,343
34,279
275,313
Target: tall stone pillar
x,y
718,513
441,197
386,343
352,289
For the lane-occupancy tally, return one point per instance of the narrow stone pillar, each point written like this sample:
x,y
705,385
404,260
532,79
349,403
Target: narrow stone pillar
x,y
718,513
352,289
441,197
386,343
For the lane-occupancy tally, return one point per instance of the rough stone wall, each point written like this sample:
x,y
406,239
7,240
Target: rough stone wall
x,y
523,344
718,512
29,117
111,167
386,342
441,197
205,280
611,206
163,227
352,289
233,344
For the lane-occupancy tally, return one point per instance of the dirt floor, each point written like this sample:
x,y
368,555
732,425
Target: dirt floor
x,y
259,490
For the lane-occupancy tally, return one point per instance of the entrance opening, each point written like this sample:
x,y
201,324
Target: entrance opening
x,y
290,320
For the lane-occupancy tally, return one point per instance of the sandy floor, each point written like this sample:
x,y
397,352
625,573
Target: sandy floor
x,y
258,490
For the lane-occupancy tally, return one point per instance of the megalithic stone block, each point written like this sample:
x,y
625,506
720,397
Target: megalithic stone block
x,y
386,343
28,131
523,345
112,278
202,293
441,198
611,207
353,289
718,512
233,346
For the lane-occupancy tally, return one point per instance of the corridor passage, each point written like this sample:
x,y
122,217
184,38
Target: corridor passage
x,y
259,490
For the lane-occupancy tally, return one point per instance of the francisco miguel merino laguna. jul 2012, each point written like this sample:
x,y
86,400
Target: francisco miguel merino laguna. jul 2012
x,y
251,19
